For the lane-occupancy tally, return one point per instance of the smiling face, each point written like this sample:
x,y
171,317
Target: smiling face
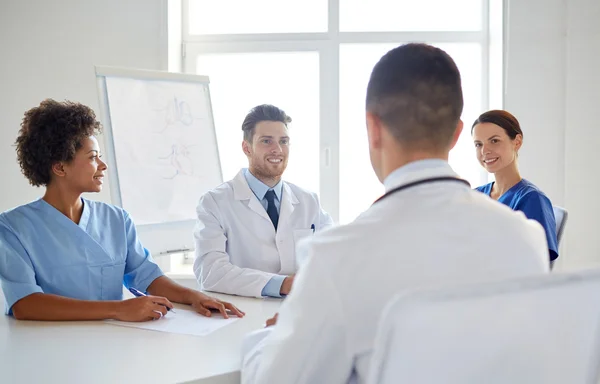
x,y
495,150
268,152
85,173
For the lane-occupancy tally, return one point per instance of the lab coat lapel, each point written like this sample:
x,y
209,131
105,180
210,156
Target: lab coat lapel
x,y
242,191
288,200
285,231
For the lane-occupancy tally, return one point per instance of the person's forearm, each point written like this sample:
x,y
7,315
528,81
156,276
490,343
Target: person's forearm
x,y
43,306
286,286
165,287
215,273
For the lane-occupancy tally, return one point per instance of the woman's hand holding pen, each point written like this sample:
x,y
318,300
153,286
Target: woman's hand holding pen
x,y
142,308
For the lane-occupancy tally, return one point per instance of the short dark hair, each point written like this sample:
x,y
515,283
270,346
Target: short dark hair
x,y
263,112
415,90
50,133
503,119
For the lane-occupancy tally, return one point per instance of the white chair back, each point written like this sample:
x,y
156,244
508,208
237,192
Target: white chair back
x,y
539,330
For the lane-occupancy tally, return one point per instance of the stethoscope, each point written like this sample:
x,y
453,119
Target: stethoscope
x,y
421,182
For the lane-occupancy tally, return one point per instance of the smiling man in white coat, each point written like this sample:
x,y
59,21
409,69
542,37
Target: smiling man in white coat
x,y
248,227
430,228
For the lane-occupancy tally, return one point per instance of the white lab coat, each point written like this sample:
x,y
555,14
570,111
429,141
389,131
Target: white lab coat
x,y
436,234
237,248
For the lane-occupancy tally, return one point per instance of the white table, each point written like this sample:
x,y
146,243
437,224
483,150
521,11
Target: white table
x,y
96,352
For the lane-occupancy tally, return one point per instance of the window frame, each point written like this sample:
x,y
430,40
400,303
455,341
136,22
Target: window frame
x,y
327,44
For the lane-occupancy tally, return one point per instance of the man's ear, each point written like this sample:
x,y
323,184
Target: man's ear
x,y
58,169
246,148
374,127
457,132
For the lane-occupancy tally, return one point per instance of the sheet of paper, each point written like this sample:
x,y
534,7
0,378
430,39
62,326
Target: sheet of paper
x,y
183,321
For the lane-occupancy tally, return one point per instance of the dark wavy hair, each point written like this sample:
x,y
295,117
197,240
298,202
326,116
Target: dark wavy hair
x,y
263,112
50,133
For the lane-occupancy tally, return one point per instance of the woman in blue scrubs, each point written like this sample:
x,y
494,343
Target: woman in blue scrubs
x,y
498,137
63,257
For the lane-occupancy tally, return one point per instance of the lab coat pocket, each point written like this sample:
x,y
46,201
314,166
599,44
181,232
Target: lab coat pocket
x,y
112,281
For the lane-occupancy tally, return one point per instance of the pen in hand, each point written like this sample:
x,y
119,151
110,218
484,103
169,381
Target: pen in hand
x,y
138,293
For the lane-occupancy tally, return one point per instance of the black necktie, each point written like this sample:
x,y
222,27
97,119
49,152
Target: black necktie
x,y
271,208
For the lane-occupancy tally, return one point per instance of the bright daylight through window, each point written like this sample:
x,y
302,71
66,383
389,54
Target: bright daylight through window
x,y
313,59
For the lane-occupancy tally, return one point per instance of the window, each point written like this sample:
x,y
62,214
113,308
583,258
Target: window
x,y
358,184
289,80
410,15
210,17
313,59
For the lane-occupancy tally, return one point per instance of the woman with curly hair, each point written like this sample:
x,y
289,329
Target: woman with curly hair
x,y
64,257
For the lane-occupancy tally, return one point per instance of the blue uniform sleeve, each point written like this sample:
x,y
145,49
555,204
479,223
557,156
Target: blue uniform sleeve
x,y
16,271
140,270
538,207
273,287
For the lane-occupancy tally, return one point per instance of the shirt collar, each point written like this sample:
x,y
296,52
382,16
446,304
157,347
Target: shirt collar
x,y
259,188
409,172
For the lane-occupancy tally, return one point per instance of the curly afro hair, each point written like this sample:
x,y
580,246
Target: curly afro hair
x,y
51,133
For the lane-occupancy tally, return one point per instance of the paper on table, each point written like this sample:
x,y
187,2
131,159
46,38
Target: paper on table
x,y
183,322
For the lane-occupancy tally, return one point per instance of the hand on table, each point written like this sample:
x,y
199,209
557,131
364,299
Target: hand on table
x,y
203,304
272,321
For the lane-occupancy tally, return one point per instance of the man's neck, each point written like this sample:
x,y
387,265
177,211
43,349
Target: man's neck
x,y
67,203
394,159
268,181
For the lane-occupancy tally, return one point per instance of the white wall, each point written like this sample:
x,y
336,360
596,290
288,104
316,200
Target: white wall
x,y
535,88
49,49
552,86
582,138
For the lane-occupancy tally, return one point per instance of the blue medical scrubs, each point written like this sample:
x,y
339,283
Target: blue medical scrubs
x,y
41,250
529,199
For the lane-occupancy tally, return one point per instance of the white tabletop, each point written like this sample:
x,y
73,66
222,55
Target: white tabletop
x,y
96,352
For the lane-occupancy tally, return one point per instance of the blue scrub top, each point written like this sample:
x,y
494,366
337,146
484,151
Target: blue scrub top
x,y
529,199
41,250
